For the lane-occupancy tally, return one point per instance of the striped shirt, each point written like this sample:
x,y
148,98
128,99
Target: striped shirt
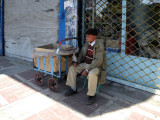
x,y
89,55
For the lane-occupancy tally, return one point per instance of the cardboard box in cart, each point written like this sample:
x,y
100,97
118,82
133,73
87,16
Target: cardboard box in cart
x,y
48,51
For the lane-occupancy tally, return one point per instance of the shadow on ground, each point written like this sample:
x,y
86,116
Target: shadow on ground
x,y
112,97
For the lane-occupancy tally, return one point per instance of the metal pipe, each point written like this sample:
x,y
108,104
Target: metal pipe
x,y
2,37
83,13
123,33
93,10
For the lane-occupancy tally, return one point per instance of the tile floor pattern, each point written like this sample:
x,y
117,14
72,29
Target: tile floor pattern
x,y
29,74
55,112
22,99
78,100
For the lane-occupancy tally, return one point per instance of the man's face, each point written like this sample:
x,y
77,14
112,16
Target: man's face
x,y
90,38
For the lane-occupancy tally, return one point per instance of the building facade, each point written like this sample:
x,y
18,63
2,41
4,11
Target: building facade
x,y
28,24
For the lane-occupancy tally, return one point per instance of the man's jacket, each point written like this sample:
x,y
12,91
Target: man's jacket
x,y
99,59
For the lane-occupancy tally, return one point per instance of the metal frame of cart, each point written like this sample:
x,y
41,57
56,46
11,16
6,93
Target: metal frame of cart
x,y
52,82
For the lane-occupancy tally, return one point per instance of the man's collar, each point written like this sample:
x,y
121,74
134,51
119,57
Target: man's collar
x,y
92,43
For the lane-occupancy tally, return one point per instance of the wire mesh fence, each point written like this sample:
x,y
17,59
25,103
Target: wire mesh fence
x,y
137,58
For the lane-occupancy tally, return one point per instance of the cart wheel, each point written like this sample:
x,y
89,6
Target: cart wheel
x,y
39,79
53,84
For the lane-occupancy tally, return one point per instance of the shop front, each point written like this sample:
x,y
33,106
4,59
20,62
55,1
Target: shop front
x,y
130,32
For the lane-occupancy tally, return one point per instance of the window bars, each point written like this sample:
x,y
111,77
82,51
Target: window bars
x,y
130,30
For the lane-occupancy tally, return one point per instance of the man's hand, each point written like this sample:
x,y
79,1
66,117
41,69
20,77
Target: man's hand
x,y
74,64
84,73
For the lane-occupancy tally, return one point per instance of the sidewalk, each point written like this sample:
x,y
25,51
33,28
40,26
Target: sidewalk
x,y
22,99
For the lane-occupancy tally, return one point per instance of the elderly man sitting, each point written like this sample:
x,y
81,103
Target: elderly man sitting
x,y
92,62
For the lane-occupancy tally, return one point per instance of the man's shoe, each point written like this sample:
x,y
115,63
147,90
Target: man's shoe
x,y
70,92
91,100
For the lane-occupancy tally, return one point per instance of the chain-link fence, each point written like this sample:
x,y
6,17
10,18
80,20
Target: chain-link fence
x,y
130,30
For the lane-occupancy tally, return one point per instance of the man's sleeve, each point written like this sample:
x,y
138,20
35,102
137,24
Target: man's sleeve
x,y
80,56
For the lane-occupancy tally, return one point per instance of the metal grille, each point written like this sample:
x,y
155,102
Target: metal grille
x,y
130,30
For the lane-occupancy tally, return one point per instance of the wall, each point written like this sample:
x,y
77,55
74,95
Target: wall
x,y
71,20
29,23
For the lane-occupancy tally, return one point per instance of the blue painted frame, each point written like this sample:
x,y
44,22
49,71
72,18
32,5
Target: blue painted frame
x,y
1,34
61,21
83,12
52,68
123,33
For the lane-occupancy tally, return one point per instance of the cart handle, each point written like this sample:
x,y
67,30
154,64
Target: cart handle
x,y
66,39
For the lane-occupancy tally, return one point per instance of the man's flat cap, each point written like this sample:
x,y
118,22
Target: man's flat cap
x,y
92,32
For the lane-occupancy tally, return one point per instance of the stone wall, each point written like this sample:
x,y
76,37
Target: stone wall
x,y
28,24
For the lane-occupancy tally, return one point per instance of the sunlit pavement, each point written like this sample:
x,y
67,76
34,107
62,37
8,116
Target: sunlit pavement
x,y
22,99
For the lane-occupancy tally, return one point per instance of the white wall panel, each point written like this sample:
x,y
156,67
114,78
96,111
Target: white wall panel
x,y
29,23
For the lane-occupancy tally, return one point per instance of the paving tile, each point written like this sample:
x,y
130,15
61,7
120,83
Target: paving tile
x,y
136,116
156,113
100,101
78,97
3,60
10,97
33,117
29,74
35,87
16,92
122,103
6,64
78,102
53,117
83,92
13,70
69,101
78,105
146,118
6,81
57,107
86,110
16,78
24,91
63,113
73,117
47,114
44,86
3,101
